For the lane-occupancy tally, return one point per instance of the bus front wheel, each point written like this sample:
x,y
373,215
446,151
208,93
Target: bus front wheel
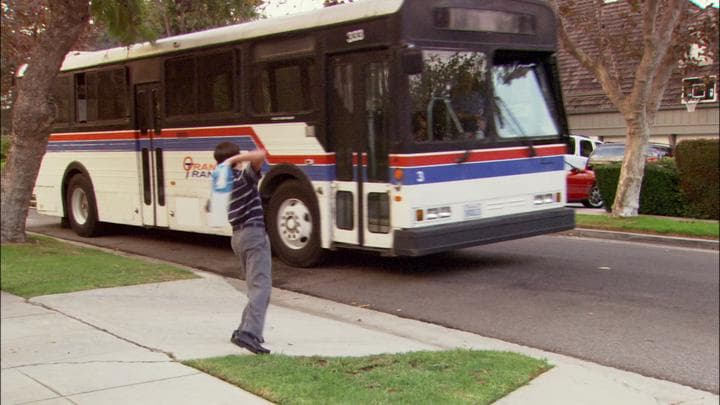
x,y
293,221
81,206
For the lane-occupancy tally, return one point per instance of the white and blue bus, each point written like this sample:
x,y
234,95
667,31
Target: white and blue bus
x,y
405,127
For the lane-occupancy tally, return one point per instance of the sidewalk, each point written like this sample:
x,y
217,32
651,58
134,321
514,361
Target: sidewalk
x,y
122,345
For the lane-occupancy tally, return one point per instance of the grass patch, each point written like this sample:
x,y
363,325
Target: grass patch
x,y
47,266
651,224
447,377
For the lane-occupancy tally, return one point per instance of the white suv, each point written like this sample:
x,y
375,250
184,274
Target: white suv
x,y
579,148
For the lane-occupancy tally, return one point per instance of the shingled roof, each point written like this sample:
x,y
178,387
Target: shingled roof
x,y
582,91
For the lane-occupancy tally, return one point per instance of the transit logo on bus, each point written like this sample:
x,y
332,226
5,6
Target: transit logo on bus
x,y
197,170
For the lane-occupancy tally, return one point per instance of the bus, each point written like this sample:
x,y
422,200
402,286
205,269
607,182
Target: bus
x,y
402,127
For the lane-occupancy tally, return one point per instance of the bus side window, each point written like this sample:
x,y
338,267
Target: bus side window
x,y
215,82
101,95
282,87
180,86
283,76
80,98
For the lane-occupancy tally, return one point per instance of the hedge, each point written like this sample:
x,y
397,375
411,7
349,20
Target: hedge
x,y
698,164
660,191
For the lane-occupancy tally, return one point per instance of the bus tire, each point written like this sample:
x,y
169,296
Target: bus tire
x,y
81,206
293,222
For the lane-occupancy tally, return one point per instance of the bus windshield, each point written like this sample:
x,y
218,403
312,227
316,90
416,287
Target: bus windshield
x,y
453,97
448,97
520,105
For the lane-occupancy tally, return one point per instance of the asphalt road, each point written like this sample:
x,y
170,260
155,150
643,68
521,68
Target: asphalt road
x,y
644,308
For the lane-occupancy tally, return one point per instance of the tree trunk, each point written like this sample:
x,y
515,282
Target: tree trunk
x,y
33,113
627,196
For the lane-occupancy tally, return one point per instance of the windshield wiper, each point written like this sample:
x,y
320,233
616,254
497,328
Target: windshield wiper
x,y
530,146
464,157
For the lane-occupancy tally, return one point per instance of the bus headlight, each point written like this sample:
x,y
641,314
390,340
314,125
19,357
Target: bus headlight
x,y
549,198
432,213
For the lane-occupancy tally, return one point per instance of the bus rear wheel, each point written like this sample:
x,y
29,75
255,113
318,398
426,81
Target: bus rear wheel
x,y
293,221
81,206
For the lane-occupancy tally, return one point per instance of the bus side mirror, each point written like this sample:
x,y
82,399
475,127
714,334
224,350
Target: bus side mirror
x,y
412,61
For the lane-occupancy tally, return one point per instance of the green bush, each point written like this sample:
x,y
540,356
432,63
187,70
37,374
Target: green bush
x,y
698,163
659,193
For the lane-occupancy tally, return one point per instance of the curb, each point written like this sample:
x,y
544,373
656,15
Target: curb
x,y
705,244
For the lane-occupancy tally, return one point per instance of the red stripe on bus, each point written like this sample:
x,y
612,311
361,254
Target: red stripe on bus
x,y
208,132
475,156
166,133
92,136
302,159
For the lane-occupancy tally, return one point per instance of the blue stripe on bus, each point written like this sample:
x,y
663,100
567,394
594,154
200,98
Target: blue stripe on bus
x,y
202,144
167,144
82,146
480,170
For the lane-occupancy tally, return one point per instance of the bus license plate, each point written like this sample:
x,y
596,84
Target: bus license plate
x,y
472,210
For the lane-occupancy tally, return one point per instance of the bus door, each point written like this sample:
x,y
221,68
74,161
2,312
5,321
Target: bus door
x,y
150,154
357,132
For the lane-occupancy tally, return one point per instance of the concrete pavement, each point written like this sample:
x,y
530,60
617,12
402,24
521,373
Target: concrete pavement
x,y
123,345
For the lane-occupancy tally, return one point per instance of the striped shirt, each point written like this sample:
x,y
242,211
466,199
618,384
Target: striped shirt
x,y
245,205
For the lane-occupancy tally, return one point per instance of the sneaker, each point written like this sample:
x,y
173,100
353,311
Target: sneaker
x,y
248,342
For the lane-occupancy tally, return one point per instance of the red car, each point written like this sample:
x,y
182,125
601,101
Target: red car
x,y
581,187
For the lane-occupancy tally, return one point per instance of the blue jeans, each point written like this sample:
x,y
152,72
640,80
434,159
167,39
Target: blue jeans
x,y
252,247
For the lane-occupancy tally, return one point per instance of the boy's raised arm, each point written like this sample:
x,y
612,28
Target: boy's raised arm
x,y
256,158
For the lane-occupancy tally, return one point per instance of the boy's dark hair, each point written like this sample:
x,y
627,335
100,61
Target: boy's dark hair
x,y
224,151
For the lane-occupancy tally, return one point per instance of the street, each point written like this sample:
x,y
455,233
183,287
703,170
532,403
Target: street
x,y
638,307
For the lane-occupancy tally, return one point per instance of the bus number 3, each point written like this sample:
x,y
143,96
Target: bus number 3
x,y
354,36
420,176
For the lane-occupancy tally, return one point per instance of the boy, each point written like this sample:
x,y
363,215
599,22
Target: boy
x,y
249,240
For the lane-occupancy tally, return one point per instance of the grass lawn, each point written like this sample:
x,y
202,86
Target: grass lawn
x,y
447,377
47,266
651,224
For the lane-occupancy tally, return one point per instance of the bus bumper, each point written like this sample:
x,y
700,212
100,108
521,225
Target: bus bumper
x,y
440,238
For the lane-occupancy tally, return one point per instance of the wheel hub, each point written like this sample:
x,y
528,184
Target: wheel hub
x,y
80,206
294,223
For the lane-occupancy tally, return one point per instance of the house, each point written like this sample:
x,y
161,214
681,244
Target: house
x,y
591,113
